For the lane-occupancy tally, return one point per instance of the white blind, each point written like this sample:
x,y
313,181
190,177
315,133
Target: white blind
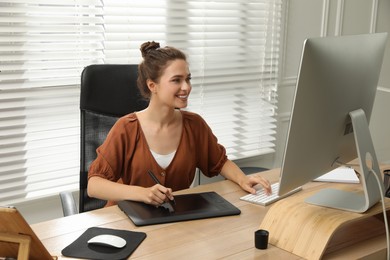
x,y
232,48
233,53
44,46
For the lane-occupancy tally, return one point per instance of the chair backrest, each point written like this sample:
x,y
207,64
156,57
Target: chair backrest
x,y
108,91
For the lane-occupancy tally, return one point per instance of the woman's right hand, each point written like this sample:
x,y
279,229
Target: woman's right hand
x,y
157,195
113,191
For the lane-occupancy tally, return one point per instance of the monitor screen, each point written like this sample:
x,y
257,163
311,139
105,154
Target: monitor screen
x,y
337,75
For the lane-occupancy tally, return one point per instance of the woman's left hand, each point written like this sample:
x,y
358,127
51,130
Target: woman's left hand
x,y
249,181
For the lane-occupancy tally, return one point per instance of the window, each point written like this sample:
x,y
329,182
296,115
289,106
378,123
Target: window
x,y
232,47
44,45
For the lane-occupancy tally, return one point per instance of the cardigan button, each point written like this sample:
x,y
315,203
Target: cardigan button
x,y
163,174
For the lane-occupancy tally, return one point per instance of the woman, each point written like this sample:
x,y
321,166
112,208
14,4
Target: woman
x,y
162,139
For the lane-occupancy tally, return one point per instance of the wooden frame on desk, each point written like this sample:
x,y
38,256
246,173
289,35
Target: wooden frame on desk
x,y
23,242
17,239
215,238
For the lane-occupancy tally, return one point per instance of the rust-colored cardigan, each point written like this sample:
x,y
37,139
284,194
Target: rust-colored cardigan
x,y
125,154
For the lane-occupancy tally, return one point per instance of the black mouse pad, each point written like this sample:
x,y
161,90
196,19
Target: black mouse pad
x,y
188,207
81,249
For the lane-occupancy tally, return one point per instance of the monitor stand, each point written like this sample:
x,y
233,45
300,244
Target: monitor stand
x,y
348,200
313,232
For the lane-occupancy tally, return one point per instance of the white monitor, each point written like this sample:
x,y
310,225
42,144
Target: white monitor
x,y
334,96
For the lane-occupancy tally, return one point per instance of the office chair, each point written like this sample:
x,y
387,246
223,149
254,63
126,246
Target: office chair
x,y
108,91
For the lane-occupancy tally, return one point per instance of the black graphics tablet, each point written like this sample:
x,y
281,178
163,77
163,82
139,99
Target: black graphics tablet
x,y
188,207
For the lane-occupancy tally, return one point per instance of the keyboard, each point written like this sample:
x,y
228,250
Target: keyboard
x,y
263,199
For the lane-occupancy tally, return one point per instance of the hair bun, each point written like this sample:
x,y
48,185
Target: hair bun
x,y
148,47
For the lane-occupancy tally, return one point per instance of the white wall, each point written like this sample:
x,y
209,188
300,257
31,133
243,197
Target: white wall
x,y
303,19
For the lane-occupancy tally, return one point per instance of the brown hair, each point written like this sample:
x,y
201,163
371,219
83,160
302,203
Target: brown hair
x,y
155,60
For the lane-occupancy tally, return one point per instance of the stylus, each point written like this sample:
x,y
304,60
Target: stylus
x,y
151,174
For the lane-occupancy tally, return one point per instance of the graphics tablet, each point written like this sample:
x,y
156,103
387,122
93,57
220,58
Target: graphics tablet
x,y
188,207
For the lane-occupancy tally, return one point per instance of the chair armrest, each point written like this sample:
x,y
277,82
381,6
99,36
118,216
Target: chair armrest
x,y
68,204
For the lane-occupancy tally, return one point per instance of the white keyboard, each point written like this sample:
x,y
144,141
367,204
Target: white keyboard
x,y
263,199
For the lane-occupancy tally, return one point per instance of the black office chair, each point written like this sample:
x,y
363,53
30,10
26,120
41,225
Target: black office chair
x,y
108,91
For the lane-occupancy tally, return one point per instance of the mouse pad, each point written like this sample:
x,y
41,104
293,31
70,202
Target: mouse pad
x,y
81,249
188,207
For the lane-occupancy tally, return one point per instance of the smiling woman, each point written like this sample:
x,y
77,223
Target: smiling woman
x,y
232,49
162,128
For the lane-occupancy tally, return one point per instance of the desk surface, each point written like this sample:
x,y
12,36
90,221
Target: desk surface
x,y
229,237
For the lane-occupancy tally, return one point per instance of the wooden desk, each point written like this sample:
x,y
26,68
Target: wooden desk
x,y
215,238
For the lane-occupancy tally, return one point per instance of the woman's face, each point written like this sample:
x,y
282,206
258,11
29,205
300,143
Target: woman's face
x,y
174,87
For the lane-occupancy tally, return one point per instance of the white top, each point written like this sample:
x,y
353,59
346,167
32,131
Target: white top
x,y
163,159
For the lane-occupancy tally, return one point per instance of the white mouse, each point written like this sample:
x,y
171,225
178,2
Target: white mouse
x,y
108,240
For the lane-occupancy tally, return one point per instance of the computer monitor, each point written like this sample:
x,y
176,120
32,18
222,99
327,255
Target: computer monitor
x,y
334,96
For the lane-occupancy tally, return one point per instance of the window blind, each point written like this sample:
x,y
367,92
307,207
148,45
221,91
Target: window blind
x,y
43,46
232,48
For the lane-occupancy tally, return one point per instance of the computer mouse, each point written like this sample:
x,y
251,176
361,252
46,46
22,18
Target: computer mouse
x,y
108,240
